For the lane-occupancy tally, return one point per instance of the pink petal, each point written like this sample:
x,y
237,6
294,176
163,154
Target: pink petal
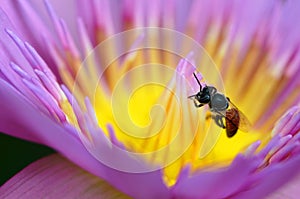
x,y
56,177
19,118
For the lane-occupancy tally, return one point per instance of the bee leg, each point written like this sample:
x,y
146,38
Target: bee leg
x,y
219,121
198,105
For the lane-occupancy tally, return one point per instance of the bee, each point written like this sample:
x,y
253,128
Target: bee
x,y
222,108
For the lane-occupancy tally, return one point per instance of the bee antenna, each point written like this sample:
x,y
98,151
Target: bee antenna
x,y
191,96
197,80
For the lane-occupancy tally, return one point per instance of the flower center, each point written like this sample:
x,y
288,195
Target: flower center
x,y
143,95
141,89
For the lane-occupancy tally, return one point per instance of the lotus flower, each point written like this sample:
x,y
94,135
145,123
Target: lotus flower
x,y
106,84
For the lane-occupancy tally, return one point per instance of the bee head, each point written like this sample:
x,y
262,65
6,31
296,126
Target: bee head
x,y
203,96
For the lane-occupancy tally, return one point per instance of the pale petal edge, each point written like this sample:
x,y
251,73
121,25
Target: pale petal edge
x,y
55,177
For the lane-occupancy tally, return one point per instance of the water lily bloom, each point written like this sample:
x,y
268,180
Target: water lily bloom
x,y
106,84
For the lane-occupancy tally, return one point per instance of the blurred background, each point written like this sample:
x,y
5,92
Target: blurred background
x,y
16,154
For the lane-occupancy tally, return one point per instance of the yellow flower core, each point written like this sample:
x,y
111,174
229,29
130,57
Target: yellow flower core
x,y
147,105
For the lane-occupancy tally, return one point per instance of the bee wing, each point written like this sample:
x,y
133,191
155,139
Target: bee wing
x,y
244,124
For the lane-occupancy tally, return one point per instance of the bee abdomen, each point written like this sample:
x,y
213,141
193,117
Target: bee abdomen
x,y
232,121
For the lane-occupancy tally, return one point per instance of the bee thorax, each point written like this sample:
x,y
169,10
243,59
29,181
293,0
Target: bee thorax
x,y
218,102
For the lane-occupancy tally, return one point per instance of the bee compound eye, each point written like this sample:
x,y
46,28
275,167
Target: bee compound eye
x,y
205,98
205,89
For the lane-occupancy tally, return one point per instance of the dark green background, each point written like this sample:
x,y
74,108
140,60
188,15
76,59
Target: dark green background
x,y
15,154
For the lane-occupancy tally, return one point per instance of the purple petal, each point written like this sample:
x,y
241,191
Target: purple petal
x,y
290,190
226,181
35,19
35,22
271,179
56,177
246,177
20,119
31,25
